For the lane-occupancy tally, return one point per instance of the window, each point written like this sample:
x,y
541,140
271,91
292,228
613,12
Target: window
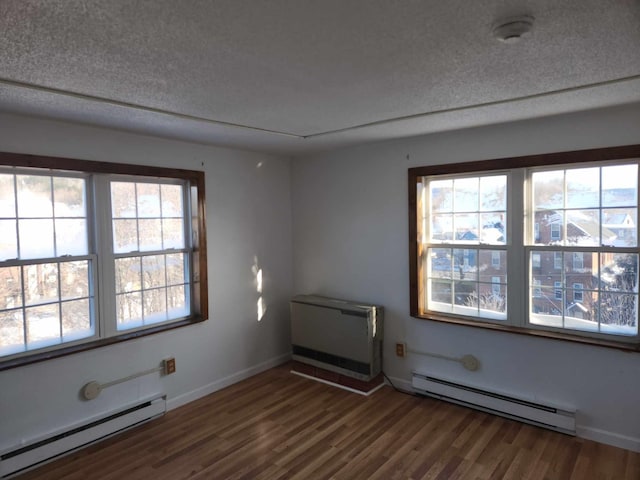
x,y
465,232
495,259
536,260
95,253
557,290
557,230
537,291
557,260
578,260
577,292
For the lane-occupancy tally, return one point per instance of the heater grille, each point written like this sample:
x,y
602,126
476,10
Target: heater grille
x,y
27,457
540,414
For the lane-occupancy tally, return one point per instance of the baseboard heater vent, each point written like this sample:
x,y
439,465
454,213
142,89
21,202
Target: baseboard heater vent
x,y
546,416
30,456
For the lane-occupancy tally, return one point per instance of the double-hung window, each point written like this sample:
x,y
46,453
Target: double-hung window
x,y
96,253
543,258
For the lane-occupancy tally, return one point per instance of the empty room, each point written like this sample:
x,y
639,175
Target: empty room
x,y
338,239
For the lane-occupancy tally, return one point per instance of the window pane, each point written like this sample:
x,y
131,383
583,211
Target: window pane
x,y
619,313
440,295
466,195
76,319
583,228
155,305
493,193
465,264
620,186
150,234
74,279
465,295
177,304
123,199
7,197
153,271
8,240
550,226
125,236
172,201
493,228
71,237
148,200
172,233
11,332
43,323
582,268
10,288
441,195
548,190
442,227
129,310
466,227
69,196
40,283
621,224
546,308
583,187
34,196
492,300
36,238
619,272
175,269
492,263
440,265
128,274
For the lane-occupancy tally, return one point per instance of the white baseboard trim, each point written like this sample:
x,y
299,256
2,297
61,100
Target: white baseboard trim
x,y
609,438
226,381
595,434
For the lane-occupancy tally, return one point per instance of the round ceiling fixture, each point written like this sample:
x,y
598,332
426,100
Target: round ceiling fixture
x,y
512,29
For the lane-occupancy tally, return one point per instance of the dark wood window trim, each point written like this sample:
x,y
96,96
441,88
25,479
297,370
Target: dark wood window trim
x,y
541,160
200,284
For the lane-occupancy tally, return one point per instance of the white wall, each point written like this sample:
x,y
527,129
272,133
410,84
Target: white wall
x,y
248,222
350,236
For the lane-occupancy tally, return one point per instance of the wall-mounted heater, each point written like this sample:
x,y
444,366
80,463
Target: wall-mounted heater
x,y
337,335
543,415
33,454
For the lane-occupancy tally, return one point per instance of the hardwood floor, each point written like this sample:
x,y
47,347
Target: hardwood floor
x,y
280,426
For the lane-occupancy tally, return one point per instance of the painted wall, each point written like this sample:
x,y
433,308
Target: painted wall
x,y
248,225
350,226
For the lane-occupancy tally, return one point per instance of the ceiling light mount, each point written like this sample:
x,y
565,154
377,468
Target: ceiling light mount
x,y
512,29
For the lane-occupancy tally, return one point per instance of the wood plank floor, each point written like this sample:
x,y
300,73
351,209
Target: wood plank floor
x,y
280,426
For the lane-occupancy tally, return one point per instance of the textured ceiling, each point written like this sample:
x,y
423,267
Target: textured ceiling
x,y
294,76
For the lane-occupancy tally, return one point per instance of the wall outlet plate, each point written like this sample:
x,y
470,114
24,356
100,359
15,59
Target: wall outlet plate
x,y
169,366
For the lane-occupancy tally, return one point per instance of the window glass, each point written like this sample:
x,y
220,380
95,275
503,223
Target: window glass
x,y
46,296
150,287
63,221
573,266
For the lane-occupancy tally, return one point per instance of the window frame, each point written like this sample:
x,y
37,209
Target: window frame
x,y
482,167
198,261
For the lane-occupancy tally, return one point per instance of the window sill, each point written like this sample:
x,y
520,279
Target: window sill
x,y
37,357
628,347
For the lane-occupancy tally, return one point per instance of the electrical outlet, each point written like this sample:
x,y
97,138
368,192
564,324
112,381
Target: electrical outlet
x,y
401,349
169,366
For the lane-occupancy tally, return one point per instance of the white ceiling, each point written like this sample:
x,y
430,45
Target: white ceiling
x,y
297,76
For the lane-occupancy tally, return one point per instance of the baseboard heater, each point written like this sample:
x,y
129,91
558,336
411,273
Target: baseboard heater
x,y
546,416
337,335
30,456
